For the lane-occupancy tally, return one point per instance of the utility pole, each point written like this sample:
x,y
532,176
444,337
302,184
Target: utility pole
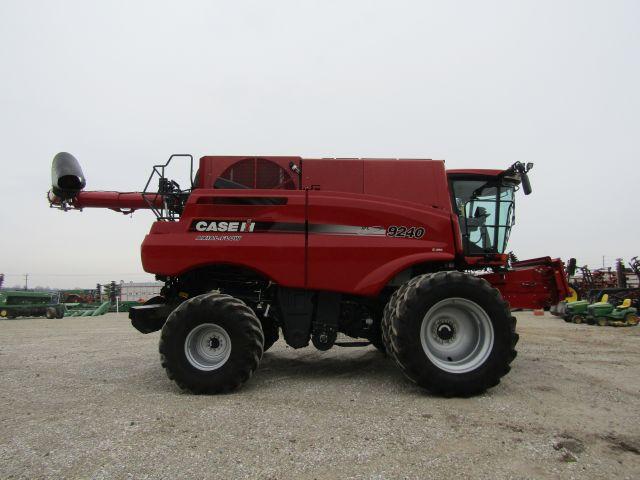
x,y
603,261
26,281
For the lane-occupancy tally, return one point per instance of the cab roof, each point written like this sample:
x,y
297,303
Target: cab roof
x,y
476,171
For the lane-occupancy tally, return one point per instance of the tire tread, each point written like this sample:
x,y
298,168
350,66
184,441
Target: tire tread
x,y
399,338
213,304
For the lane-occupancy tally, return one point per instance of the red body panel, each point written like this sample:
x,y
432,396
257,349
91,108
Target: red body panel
x,y
363,263
325,224
343,174
341,220
423,182
172,249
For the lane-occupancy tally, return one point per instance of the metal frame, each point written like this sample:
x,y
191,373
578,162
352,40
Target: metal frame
x,y
165,213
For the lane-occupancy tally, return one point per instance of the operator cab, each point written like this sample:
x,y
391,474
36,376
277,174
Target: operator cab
x,y
484,202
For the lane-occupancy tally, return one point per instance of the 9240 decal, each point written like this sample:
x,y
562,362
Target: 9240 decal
x,y
401,231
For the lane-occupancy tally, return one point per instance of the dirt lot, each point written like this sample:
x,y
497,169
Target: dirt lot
x,y
87,398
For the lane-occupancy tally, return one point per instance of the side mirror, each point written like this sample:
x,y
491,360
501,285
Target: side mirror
x,y
522,169
526,185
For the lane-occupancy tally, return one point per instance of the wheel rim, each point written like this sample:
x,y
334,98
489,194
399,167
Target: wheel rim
x,y
207,347
457,335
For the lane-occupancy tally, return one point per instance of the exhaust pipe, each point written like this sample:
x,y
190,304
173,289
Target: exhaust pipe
x,y
67,179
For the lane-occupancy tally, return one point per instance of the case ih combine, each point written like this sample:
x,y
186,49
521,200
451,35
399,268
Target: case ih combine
x,y
401,254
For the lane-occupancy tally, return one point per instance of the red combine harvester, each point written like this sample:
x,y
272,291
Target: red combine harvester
x,y
401,254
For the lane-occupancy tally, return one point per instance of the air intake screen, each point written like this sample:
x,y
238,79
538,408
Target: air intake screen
x,y
257,173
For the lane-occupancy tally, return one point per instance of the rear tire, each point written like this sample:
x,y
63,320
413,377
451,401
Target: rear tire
x,y
211,343
50,313
452,333
631,319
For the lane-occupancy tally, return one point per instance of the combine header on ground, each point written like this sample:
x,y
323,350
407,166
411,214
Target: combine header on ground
x,y
401,254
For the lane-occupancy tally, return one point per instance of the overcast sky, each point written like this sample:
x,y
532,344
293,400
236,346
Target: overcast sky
x,y
123,84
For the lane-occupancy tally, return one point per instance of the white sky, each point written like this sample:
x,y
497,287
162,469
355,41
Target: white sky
x,y
123,84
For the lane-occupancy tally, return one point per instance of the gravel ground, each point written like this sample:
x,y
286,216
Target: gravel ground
x,y
87,398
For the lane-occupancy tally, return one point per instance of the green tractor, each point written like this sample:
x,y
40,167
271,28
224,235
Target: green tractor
x,y
602,313
577,310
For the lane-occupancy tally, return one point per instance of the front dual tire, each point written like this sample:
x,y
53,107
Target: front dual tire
x,y
451,333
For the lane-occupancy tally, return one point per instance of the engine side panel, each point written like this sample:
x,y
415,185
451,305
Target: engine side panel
x,y
273,245
357,243
351,243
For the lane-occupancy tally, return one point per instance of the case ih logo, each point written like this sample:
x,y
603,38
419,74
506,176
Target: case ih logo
x,y
223,226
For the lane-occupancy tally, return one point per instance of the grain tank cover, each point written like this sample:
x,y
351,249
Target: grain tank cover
x,y
420,181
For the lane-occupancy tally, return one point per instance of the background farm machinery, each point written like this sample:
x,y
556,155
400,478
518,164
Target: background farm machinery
x,y
15,304
63,303
619,283
104,298
602,313
602,297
